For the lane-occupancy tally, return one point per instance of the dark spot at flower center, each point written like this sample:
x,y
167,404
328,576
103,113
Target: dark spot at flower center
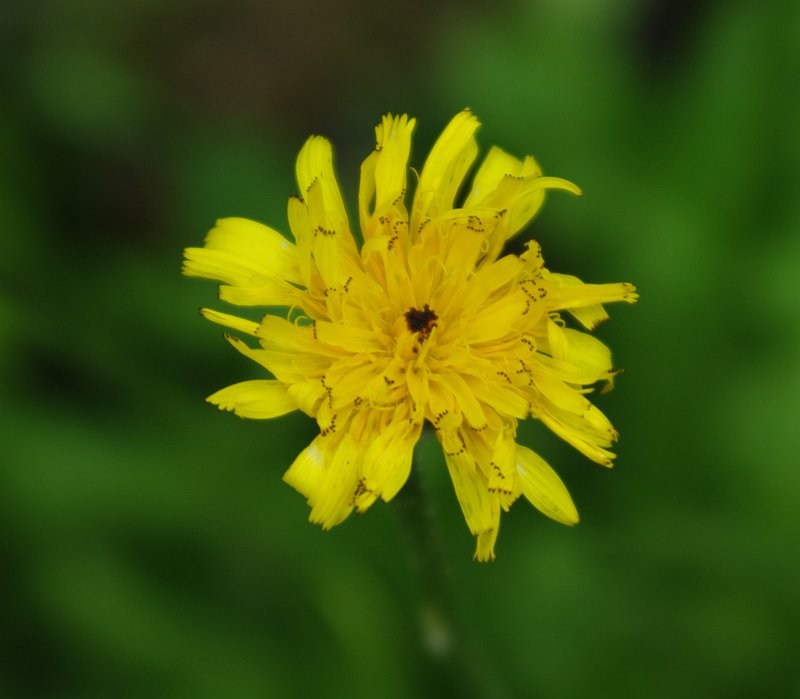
x,y
421,321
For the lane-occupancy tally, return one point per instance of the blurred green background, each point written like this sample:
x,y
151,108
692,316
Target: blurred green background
x,y
148,547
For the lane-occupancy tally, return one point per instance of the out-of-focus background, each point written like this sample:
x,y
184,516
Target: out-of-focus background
x,y
148,547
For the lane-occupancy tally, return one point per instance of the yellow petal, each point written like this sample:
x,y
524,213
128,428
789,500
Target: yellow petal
x,y
462,236
586,353
481,508
442,410
300,225
576,432
241,324
387,462
366,193
495,320
331,243
497,166
266,293
280,334
354,339
514,186
465,399
261,399
543,488
561,394
348,380
589,316
497,275
254,241
287,366
308,469
417,382
333,500
501,396
445,169
503,463
568,292
307,395
484,547
394,145
242,252
327,239
315,167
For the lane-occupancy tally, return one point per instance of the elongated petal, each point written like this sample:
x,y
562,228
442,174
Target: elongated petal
x,y
515,187
254,261
543,488
331,242
240,251
366,196
394,145
266,293
465,399
334,498
481,508
496,167
589,357
501,396
568,292
589,316
280,334
260,400
256,242
502,466
287,367
496,319
229,321
574,432
445,169
315,169
300,225
354,339
387,463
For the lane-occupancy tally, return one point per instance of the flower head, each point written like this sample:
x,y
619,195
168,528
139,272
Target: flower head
x,y
425,322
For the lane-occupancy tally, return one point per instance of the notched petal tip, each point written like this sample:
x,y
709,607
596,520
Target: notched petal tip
x,y
220,403
484,546
631,294
484,558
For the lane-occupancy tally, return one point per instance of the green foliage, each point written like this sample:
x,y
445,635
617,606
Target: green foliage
x,y
148,545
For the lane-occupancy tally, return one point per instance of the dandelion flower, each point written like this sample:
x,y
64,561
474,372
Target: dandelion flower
x,y
424,322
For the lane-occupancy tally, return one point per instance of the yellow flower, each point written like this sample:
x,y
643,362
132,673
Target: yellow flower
x,y
426,322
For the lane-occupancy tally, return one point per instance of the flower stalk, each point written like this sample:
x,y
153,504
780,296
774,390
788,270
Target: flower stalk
x,y
451,650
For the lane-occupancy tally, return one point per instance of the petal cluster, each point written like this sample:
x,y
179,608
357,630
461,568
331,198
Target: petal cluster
x,y
424,322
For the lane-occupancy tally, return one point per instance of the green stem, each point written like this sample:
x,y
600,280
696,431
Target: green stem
x,y
454,659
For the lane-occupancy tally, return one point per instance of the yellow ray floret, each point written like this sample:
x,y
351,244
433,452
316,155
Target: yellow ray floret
x,y
427,324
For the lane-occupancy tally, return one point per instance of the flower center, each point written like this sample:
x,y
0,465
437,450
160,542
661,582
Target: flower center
x,y
421,321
